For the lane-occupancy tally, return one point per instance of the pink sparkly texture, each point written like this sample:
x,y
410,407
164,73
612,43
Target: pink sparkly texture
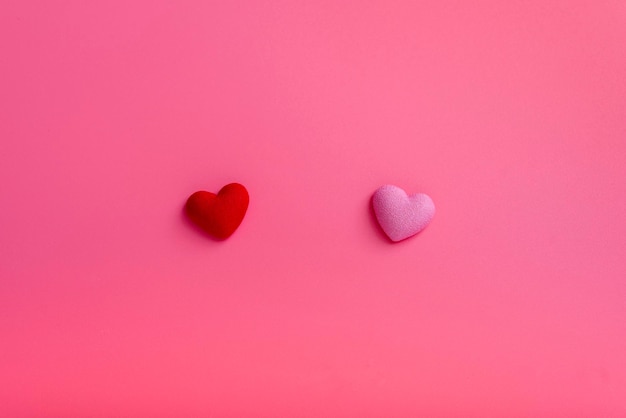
x,y
400,215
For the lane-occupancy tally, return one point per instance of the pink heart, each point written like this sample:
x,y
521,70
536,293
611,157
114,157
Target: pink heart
x,y
401,216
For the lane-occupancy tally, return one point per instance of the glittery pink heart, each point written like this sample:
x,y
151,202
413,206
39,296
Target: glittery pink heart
x,y
399,215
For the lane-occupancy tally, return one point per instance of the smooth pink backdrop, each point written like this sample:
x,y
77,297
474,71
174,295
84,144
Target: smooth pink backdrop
x,y
511,115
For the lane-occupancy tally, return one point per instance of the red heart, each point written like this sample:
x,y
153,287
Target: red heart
x,y
218,214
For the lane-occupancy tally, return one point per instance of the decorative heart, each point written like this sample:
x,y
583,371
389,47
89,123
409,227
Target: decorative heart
x,y
399,215
218,214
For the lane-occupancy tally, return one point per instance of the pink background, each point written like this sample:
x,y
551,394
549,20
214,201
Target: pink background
x,y
511,115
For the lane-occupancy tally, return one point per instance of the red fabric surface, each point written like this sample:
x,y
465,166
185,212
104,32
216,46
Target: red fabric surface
x,y
219,214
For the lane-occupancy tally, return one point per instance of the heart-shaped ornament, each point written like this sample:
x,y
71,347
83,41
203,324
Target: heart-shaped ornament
x,y
401,216
219,214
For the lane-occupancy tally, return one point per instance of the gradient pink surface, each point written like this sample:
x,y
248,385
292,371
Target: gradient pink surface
x,y
510,115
